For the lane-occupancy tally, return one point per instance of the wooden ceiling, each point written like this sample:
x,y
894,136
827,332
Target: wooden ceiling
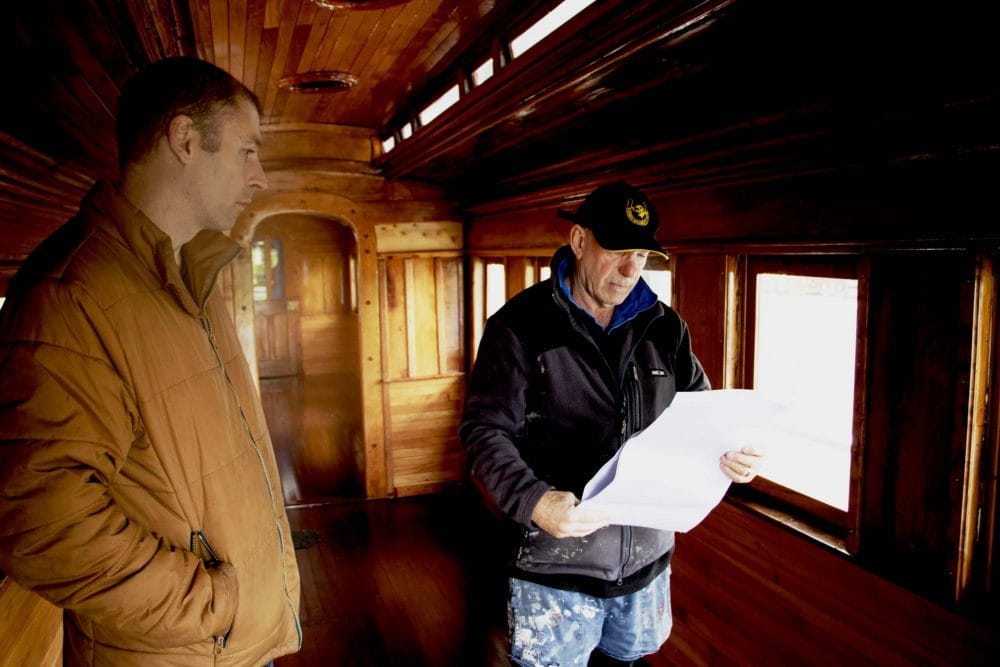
x,y
67,59
676,95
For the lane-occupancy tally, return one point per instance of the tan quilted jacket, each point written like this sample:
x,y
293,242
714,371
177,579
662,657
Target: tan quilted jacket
x,y
134,454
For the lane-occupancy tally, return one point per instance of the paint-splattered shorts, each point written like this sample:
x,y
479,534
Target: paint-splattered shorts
x,y
550,627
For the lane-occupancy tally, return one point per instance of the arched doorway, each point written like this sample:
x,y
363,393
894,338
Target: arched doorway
x,y
306,331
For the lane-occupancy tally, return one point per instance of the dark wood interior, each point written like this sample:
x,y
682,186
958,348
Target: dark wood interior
x,y
760,128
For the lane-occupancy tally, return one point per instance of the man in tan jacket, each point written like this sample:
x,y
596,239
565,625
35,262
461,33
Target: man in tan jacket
x,y
138,486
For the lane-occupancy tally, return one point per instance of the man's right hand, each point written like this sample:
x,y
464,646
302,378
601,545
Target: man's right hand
x,y
557,514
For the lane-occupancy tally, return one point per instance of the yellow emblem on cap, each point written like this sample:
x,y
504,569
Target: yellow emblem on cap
x,y
637,214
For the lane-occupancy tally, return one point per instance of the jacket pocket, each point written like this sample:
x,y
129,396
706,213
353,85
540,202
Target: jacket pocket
x,y
596,555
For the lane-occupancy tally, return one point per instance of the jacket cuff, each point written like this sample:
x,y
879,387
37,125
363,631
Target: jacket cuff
x,y
531,499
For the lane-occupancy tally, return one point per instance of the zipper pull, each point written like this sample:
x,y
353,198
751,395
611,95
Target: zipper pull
x,y
220,643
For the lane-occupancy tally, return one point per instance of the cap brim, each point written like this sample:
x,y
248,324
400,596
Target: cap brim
x,y
630,245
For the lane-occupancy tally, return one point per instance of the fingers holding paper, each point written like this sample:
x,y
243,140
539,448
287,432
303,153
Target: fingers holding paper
x,y
558,515
743,465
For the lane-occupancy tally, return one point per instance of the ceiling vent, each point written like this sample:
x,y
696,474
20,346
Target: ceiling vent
x,y
320,81
357,4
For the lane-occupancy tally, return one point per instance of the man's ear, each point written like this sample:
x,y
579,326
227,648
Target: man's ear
x,y
181,135
577,238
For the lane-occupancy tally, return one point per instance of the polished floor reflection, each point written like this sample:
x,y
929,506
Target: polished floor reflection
x,y
315,425
409,582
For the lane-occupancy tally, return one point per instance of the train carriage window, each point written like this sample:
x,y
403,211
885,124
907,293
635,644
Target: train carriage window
x,y
483,72
548,24
439,105
495,280
658,276
799,348
496,286
267,258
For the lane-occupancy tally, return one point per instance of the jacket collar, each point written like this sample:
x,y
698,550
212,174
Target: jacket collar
x,y
204,255
639,300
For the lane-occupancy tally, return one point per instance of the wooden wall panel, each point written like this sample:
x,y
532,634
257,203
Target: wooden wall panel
x,y
747,591
450,295
31,630
330,344
920,333
700,298
423,359
394,317
423,311
424,416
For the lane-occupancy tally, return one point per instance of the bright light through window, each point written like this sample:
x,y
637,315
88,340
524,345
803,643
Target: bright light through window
x,y
438,106
483,72
388,144
2,299
406,131
562,13
804,358
659,281
496,287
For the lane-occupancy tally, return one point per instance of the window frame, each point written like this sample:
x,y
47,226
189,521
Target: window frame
x,y
833,524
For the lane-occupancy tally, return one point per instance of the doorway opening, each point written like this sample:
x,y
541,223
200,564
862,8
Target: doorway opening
x,y
306,329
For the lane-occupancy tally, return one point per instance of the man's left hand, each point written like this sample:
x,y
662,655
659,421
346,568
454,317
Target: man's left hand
x,y
743,465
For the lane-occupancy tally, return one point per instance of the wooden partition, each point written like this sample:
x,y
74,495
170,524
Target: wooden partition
x,y
423,357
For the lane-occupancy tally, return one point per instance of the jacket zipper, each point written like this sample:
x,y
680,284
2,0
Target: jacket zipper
x,y
630,424
630,418
209,330
626,552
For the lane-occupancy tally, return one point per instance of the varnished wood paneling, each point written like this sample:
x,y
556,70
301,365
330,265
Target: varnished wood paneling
x,y
423,314
422,307
920,329
418,236
31,631
700,290
423,431
738,578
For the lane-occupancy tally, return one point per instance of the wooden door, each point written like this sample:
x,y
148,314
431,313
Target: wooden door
x,y
276,317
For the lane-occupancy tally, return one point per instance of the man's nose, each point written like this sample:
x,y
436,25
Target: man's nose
x,y
257,178
629,266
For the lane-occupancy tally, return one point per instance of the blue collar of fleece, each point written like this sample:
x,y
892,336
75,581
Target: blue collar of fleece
x,y
640,299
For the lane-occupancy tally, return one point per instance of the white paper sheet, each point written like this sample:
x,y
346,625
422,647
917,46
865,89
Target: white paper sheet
x,y
667,476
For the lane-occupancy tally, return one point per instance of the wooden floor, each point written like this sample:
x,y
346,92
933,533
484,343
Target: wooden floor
x,y
315,425
407,582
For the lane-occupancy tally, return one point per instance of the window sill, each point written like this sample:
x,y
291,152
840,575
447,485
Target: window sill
x,y
828,536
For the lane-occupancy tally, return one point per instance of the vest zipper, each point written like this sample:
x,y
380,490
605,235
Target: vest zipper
x,y
626,552
209,330
631,423
631,403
